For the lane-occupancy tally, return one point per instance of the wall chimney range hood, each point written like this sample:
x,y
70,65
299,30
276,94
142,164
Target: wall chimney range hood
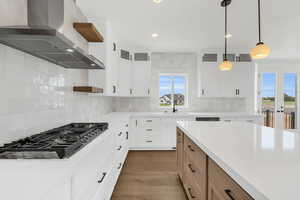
x,y
42,38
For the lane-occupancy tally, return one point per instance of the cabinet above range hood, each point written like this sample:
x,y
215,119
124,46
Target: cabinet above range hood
x,y
42,36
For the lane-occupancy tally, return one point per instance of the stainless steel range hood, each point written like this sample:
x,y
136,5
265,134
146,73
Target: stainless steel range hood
x,y
42,39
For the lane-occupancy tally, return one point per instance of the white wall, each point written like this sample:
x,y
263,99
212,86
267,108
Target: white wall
x,y
37,95
179,63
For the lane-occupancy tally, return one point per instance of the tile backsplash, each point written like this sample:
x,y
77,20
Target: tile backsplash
x,y
36,95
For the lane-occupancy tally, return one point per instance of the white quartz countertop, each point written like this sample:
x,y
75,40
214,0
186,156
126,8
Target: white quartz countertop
x,y
264,161
186,114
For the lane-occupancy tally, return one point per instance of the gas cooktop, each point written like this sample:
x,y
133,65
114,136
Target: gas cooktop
x,y
58,143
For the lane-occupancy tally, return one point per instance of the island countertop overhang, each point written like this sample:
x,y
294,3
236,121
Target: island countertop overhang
x,y
263,161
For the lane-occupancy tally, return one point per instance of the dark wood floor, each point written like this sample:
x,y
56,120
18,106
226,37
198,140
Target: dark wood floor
x,y
149,176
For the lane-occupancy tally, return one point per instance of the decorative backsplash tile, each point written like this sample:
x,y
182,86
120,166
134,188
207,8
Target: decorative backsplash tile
x,y
37,95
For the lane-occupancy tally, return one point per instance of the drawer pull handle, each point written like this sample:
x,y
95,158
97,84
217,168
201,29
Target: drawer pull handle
x,y
191,194
149,141
119,148
228,192
127,135
120,134
148,129
103,177
190,147
120,165
191,168
148,120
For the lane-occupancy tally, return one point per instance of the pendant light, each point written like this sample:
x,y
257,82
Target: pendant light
x,y
261,50
226,65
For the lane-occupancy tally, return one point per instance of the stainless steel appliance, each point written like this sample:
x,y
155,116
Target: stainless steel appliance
x,y
58,143
42,39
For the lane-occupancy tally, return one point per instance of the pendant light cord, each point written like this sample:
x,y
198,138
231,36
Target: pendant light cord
x,y
225,29
259,21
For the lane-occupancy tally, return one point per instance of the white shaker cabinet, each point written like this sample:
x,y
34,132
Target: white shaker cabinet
x,y
154,133
141,74
124,78
238,82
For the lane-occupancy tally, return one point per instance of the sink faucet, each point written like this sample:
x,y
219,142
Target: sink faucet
x,y
174,107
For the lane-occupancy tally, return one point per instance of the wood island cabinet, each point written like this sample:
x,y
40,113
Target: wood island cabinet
x,y
202,178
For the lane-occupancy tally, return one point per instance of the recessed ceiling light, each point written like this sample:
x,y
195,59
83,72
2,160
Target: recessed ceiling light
x,y
228,36
70,50
157,1
155,35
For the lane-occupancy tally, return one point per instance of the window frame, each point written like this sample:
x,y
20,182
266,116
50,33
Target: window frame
x,y
186,95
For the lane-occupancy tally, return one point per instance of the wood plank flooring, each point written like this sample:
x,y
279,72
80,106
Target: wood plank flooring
x,y
149,175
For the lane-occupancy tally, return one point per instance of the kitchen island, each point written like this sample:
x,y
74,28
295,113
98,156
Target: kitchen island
x,y
236,160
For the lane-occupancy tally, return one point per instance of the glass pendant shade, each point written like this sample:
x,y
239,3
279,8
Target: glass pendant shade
x,y
225,65
260,51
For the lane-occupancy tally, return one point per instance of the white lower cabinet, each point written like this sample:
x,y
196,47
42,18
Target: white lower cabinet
x,y
96,176
154,133
93,170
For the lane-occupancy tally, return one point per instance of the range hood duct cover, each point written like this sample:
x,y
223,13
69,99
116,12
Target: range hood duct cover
x,y
42,39
46,13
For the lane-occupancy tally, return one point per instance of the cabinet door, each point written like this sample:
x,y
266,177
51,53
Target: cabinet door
x,y
141,78
245,79
124,78
210,84
112,68
169,129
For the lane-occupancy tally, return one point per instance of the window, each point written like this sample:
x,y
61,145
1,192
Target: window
x,y
173,89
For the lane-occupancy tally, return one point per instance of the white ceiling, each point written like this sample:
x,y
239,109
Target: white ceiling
x,y
198,25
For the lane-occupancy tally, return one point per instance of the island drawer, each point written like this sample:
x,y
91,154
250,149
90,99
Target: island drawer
x,y
223,186
197,176
195,153
192,191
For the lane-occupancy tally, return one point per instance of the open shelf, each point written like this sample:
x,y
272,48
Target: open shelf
x,y
87,89
89,32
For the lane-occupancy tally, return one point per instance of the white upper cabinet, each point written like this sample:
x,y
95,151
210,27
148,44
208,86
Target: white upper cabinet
x,y
108,53
127,73
238,82
125,68
141,74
